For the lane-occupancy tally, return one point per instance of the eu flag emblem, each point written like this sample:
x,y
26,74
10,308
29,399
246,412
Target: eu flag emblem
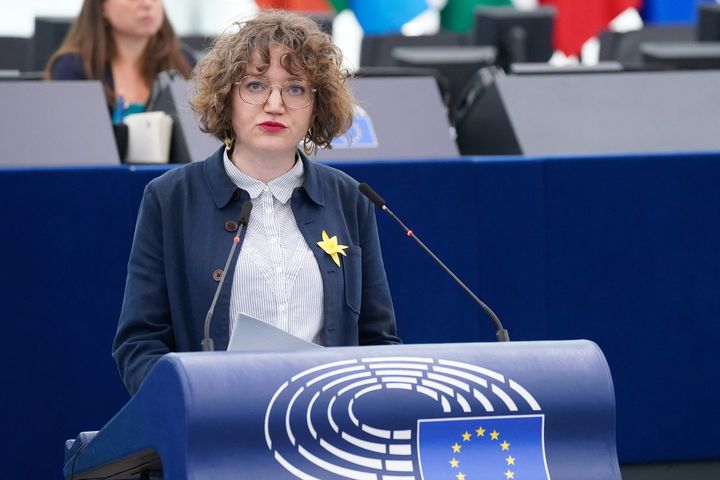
x,y
501,447
360,135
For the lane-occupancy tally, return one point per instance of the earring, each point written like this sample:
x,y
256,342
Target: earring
x,y
229,141
308,145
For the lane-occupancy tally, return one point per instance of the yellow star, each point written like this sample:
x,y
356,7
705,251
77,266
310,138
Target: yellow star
x,y
466,437
494,435
505,445
456,448
480,432
331,247
454,463
510,460
509,474
460,476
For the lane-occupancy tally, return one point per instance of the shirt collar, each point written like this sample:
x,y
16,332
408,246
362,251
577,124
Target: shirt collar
x,y
222,188
281,187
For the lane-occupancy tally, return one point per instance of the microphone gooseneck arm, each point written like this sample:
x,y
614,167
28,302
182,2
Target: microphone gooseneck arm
x,y
208,345
501,335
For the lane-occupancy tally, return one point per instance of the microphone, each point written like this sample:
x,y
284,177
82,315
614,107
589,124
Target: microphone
x,y
501,335
208,345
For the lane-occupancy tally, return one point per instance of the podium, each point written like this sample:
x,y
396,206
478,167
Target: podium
x,y
525,410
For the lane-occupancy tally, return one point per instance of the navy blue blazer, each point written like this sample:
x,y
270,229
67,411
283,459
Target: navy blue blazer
x,y
181,239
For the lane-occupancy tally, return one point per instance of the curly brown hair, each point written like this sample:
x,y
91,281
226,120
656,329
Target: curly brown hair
x,y
310,53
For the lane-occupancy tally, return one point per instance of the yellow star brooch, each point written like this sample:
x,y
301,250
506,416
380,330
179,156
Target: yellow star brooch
x,y
331,247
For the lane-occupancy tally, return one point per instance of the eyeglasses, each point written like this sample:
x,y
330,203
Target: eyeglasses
x,y
257,90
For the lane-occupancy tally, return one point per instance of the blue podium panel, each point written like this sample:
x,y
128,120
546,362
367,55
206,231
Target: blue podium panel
x,y
535,410
64,244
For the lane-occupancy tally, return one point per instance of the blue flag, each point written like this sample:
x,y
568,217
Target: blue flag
x,y
502,448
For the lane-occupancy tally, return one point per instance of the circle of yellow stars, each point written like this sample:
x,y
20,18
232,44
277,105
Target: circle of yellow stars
x,y
493,436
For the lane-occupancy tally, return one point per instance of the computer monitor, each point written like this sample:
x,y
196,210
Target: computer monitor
x,y
518,35
376,50
457,64
708,26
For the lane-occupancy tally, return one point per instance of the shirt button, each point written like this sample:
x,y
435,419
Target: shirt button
x,y
278,269
273,240
282,307
217,274
231,226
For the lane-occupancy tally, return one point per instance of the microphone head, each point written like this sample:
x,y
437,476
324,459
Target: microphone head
x,y
245,212
372,195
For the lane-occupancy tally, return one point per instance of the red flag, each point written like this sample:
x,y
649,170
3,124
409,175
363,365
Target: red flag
x,y
579,20
298,5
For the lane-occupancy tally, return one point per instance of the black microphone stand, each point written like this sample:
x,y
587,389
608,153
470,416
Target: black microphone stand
x,y
501,335
208,345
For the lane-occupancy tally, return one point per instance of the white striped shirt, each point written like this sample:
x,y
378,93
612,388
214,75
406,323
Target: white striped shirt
x,y
277,278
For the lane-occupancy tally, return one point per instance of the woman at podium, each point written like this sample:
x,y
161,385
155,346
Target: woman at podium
x,y
309,262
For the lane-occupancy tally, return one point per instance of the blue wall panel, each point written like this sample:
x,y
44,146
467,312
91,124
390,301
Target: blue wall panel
x,y
65,241
633,264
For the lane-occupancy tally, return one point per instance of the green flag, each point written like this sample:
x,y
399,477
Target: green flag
x,y
458,14
339,5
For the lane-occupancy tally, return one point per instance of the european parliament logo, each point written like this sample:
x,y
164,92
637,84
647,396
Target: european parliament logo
x,y
503,448
361,133
405,418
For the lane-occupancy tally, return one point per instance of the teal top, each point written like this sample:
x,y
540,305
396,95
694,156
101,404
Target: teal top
x,y
131,108
123,109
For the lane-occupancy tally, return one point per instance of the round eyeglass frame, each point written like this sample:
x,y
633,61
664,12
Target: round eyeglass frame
x,y
313,91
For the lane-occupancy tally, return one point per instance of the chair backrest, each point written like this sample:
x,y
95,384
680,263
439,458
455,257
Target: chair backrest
x,y
15,53
49,34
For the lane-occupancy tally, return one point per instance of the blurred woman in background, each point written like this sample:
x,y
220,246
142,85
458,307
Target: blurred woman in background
x,y
123,43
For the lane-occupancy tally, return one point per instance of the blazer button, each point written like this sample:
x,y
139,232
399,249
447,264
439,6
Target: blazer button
x,y
236,194
231,226
217,274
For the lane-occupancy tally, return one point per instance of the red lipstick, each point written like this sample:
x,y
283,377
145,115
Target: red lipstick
x,y
272,127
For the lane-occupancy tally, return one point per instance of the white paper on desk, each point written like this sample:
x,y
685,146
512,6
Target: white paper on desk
x,y
149,135
252,335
